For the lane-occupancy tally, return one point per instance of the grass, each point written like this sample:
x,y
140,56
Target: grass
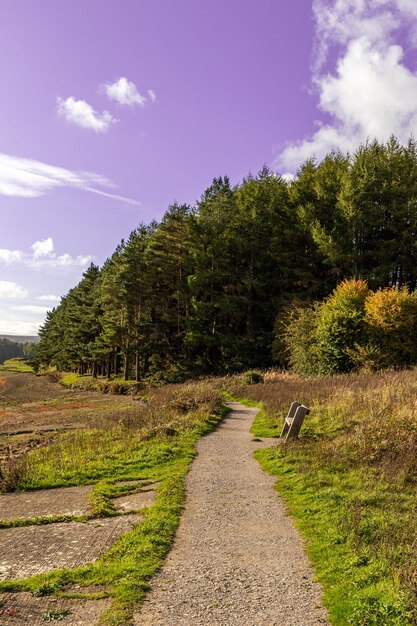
x,y
59,615
115,386
158,446
16,365
350,484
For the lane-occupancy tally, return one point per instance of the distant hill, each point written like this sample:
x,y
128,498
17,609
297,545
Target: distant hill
x,y
21,338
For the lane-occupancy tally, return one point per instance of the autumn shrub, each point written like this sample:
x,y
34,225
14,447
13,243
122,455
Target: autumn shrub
x,y
300,339
355,328
340,325
391,318
252,377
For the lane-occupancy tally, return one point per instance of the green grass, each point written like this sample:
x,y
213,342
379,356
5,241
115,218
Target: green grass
x,y
264,425
116,386
125,570
341,514
350,485
16,365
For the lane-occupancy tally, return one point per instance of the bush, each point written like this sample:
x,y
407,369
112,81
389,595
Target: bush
x,y
341,325
354,328
299,338
252,377
391,317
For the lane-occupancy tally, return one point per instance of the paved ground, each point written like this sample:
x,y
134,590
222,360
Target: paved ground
x,y
22,609
237,558
45,502
37,549
66,501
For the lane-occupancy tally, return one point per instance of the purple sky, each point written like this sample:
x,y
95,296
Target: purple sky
x,y
210,88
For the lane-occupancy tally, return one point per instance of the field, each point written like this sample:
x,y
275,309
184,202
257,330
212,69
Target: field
x,y
58,439
350,483
35,409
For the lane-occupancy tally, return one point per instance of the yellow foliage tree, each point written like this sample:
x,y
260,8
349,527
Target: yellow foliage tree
x,y
391,319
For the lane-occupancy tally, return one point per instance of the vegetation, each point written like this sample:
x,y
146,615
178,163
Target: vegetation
x,y
350,483
156,443
353,328
200,291
319,274
10,349
16,365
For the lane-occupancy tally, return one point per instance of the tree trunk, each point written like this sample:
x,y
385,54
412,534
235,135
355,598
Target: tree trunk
x,y
126,367
137,366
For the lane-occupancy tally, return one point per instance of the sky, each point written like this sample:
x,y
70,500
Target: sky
x,y
111,110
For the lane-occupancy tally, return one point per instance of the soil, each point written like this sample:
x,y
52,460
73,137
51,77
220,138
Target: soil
x,y
35,409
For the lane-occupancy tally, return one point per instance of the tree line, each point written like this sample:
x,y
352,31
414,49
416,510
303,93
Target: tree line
x,y
9,349
209,287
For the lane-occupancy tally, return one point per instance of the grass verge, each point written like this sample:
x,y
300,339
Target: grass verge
x,y
350,485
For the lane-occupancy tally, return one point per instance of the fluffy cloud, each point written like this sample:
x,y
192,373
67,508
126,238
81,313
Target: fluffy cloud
x,y
370,92
10,256
44,257
12,291
80,113
13,326
49,298
45,247
124,91
27,178
31,308
63,261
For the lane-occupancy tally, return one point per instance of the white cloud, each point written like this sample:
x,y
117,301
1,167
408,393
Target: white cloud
x,y
152,95
80,113
125,92
63,261
32,308
14,326
45,247
12,291
44,257
49,298
288,177
28,178
10,256
370,93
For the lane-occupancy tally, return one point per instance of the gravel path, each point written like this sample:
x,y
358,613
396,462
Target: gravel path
x,y
237,559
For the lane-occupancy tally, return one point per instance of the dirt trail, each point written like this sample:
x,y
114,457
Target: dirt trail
x,y
237,558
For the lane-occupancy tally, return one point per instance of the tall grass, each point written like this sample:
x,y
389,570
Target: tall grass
x,y
119,443
350,482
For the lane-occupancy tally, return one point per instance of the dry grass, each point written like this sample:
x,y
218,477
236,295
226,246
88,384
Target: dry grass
x,y
116,431
350,481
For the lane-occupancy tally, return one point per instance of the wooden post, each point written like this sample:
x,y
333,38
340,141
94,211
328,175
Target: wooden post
x,y
297,422
294,406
